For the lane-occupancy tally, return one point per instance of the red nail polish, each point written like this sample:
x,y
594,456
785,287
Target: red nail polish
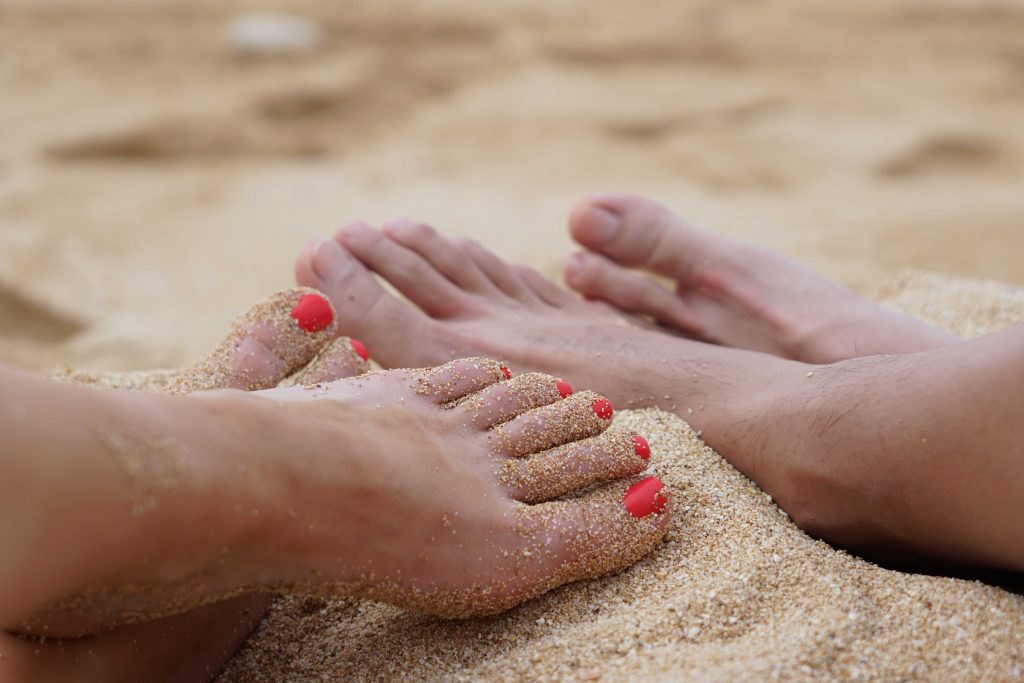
x,y
505,371
313,313
645,497
642,448
359,348
563,388
603,408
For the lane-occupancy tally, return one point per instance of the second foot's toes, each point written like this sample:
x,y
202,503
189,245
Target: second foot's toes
x,y
364,308
614,454
638,233
343,357
596,277
271,341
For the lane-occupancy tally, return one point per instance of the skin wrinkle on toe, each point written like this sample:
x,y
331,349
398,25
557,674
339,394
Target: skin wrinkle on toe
x,y
572,467
571,419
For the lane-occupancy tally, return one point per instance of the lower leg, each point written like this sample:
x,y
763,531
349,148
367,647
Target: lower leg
x,y
921,452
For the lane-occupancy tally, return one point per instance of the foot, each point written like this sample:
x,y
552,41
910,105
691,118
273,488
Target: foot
x,y
438,490
469,302
449,483
285,340
727,292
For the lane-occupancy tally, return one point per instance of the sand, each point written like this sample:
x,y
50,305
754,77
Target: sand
x,y
734,592
153,184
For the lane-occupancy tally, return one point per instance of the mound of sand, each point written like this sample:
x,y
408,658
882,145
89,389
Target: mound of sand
x,y
736,591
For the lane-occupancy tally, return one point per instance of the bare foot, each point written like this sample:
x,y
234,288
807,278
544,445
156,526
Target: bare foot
x,y
469,302
285,340
727,292
436,490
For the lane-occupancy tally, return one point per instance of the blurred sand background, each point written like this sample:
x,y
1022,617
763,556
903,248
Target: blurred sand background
x,y
153,182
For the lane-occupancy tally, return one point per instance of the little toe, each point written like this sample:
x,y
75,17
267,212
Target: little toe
x,y
500,273
614,454
636,232
271,341
579,416
448,259
365,309
595,277
409,272
343,357
459,378
502,402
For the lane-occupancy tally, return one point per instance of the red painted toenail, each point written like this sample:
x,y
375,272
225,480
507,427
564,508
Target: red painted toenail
x,y
563,388
359,348
645,497
603,408
313,313
505,371
643,449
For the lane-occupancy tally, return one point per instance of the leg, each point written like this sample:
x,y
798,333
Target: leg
x,y
728,292
471,300
920,452
264,347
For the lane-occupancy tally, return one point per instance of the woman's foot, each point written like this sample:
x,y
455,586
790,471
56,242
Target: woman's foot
x,y
447,480
727,292
284,340
437,490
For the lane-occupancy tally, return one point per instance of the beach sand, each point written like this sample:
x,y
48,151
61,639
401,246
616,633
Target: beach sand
x,y
153,184
735,591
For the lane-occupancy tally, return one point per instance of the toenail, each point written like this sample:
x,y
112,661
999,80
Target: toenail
x,y
563,388
603,408
642,448
359,348
505,371
645,497
331,263
313,313
604,225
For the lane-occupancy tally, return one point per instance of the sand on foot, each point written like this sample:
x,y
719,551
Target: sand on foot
x,y
735,592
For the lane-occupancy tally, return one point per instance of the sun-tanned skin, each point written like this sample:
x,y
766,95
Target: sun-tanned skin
x,y
403,486
921,452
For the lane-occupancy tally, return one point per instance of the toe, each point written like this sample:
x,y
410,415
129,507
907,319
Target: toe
x,y
501,274
614,454
600,533
409,273
595,277
272,340
451,261
638,233
343,357
365,309
579,416
502,402
543,288
458,379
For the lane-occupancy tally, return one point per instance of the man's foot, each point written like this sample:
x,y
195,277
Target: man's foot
x,y
469,302
727,292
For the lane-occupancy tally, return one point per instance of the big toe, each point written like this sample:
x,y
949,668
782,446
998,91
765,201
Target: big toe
x,y
603,532
365,309
269,342
639,233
